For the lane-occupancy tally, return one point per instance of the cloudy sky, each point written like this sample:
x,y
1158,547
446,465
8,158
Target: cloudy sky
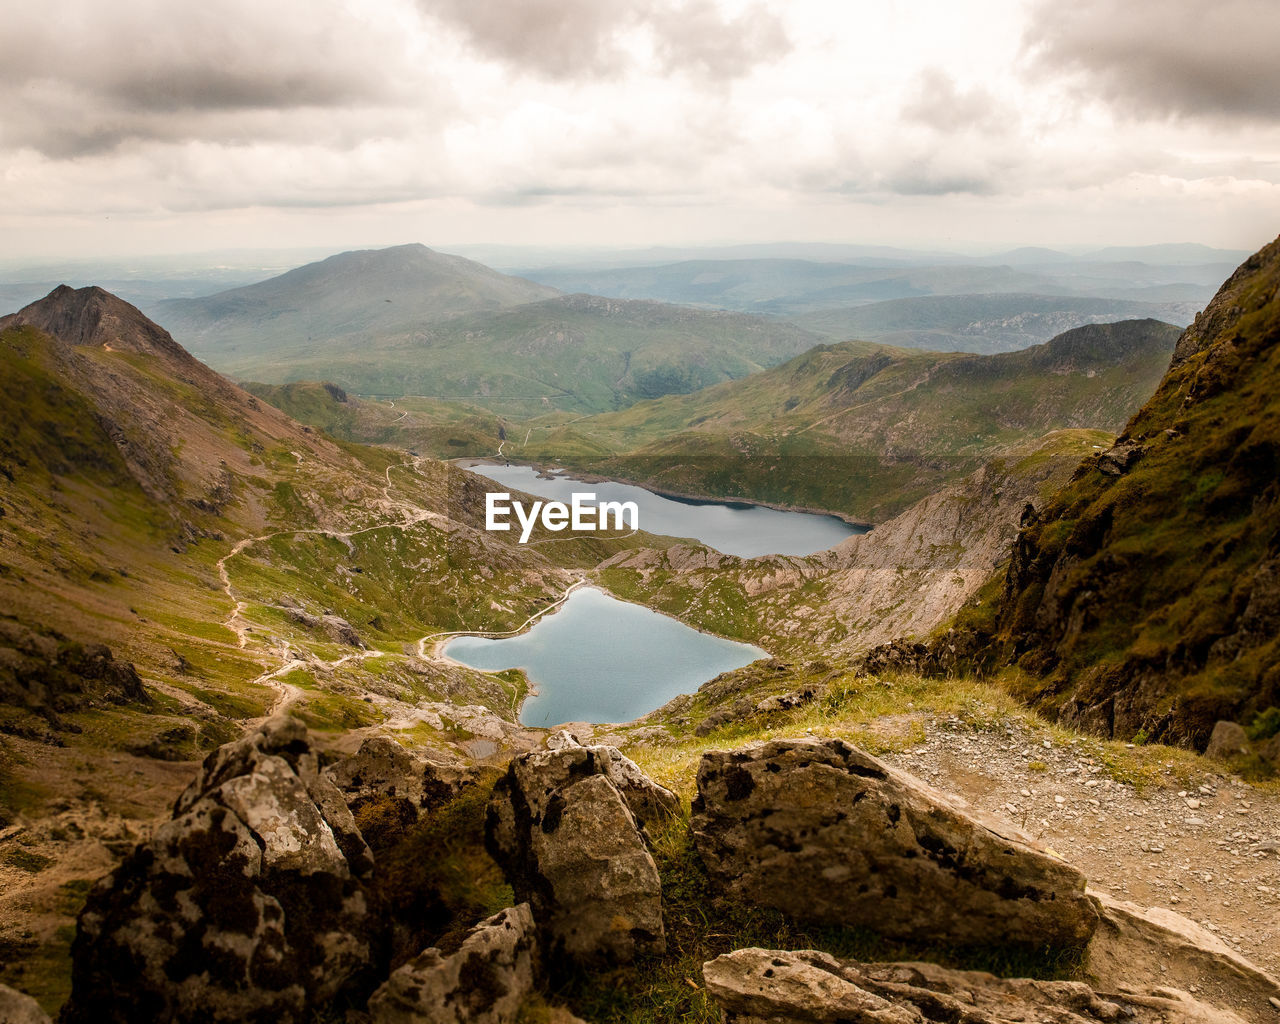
x,y
149,126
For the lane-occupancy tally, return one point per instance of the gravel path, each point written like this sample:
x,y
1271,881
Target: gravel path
x,y
1207,846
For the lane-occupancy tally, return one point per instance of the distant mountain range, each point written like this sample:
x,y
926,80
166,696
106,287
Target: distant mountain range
x,y
410,321
792,287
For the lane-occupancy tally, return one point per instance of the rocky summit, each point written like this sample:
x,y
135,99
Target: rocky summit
x,y
257,899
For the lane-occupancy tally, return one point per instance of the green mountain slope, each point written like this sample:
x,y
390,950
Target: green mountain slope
x,y
219,547
579,353
444,429
1145,598
365,290
864,429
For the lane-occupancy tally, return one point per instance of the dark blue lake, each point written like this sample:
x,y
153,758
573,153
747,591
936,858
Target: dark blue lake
x,y
597,659
734,528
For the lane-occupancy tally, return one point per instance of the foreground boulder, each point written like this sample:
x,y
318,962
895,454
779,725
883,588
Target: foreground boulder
x,y
485,981
759,986
248,904
565,825
828,834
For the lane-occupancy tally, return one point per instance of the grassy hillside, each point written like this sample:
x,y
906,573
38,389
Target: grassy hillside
x,y
203,536
1145,598
578,353
864,429
366,290
426,426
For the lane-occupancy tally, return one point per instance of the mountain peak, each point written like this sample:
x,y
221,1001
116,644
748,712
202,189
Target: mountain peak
x,y
94,317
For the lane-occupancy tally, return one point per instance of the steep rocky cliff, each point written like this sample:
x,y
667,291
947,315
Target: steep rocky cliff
x,y
1144,599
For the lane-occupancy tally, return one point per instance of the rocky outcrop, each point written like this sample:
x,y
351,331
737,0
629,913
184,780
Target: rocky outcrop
x,y
383,769
485,981
1135,942
248,904
1227,740
828,834
758,986
48,675
1145,593
19,1008
566,826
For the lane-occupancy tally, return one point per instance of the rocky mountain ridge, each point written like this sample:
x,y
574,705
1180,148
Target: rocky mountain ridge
x,y
1143,597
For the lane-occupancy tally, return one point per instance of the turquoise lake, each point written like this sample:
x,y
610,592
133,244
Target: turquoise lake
x,y
735,528
597,659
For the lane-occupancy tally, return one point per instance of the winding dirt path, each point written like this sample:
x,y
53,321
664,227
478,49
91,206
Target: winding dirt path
x,y
287,694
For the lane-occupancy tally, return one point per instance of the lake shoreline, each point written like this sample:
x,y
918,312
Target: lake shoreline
x,y
693,499
437,648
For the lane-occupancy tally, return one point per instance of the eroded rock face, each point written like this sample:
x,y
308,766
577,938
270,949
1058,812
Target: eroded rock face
x,y
566,827
248,904
485,981
758,986
826,833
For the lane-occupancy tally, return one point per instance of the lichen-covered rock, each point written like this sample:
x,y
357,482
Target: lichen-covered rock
x,y
19,1008
826,833
485,981
759,986
382,768
248,904
563,825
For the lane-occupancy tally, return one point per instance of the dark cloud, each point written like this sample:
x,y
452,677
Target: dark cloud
x,y
577,39
940,104
98,75
1180,58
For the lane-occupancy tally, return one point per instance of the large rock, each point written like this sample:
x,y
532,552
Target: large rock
x,y
1227,740
1146,942
19,1008
566,827
828,834
485,981
382,768
248,904
759,986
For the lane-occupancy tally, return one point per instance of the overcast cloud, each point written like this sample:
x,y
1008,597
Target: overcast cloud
x,y
143,124
1209,59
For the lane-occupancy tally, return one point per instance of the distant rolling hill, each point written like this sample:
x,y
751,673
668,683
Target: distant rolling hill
x,y
795,287
982,323
409,321
366,290
865,429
